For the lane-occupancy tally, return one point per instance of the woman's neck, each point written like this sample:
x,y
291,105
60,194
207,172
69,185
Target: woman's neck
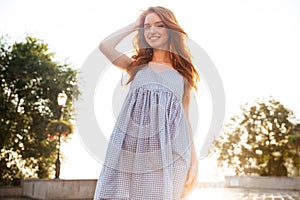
x,y
161,56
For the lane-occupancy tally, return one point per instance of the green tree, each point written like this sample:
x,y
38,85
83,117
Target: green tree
x,y
294,146
255,143
30,81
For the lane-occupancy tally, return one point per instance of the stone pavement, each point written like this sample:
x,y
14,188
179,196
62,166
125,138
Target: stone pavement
x,y
14,198
230,194
242,194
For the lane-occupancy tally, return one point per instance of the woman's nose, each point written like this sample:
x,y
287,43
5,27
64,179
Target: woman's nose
x,y
152,29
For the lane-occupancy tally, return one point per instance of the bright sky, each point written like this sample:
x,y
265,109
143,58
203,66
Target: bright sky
x,y
255,45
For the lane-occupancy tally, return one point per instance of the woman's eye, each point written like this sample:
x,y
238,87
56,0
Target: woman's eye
x,y
148,27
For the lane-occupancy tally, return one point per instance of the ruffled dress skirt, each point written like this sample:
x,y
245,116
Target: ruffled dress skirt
x,y
148,155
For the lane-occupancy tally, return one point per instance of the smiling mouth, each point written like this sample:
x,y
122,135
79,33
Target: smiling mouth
x,y
153,37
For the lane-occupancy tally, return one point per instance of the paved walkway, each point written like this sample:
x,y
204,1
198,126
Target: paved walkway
x,y
232,194
243,194
14,198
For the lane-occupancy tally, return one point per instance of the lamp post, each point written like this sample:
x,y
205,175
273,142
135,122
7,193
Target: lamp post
x,y
61,100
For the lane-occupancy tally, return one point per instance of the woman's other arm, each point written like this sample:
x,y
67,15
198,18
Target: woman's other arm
x,y
192,175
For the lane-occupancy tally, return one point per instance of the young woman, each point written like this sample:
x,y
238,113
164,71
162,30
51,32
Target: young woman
x,y
151,154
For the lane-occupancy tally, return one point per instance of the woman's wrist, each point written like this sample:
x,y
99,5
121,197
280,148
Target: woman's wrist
x,y
134,26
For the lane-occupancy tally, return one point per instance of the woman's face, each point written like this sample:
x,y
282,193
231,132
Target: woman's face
x,y
155,32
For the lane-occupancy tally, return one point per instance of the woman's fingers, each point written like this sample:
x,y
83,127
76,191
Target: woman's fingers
x,y
192,175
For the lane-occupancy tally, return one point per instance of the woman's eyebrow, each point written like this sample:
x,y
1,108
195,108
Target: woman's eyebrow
x,y
157,22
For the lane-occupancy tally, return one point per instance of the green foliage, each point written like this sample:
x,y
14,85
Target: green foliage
x,y
294,146
30,81
255,143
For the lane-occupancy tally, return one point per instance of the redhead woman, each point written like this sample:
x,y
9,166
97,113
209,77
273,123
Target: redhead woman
x,y
151,154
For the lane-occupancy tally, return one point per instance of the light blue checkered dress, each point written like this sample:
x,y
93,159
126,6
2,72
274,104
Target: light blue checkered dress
x,y
148,155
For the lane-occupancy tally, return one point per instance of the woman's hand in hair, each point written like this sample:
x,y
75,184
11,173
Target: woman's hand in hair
x,y
139,22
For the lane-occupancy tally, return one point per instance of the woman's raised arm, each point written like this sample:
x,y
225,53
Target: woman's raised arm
x,y
108,45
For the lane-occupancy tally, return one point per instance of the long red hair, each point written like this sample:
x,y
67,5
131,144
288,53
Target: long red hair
x,y
178,52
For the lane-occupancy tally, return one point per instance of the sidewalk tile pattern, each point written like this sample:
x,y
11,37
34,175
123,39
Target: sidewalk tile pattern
x,y
243,194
